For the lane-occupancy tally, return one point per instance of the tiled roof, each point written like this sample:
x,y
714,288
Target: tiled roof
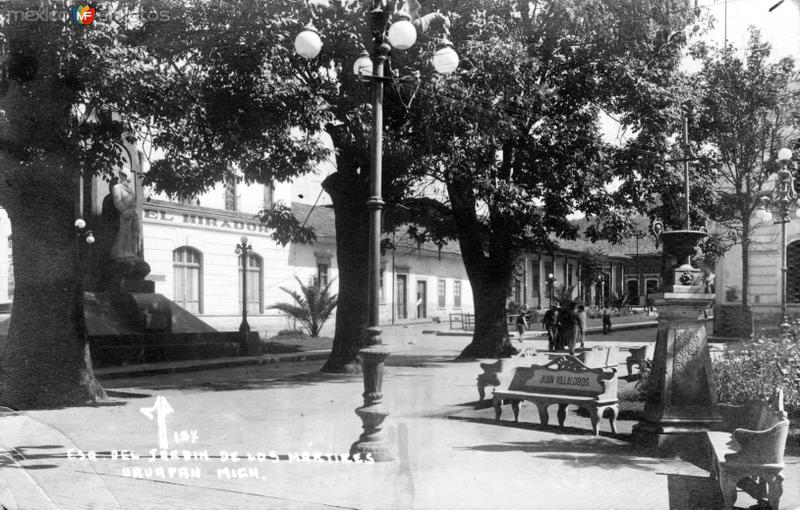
x,y
646,244
321,219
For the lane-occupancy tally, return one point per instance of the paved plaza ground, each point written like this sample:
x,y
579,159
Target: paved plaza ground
x,y
251,433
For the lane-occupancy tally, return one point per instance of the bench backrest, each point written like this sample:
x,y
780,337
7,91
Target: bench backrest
x,y
753,414
566,376
598,357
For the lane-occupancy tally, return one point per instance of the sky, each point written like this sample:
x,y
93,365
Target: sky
x,y
781,26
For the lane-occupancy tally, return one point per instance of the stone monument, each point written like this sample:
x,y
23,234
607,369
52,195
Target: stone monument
x,y
126,320
681,397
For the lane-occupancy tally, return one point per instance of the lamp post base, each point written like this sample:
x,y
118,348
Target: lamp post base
x,y
372,444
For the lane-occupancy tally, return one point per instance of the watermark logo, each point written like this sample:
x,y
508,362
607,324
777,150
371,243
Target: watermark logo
x,y
83,14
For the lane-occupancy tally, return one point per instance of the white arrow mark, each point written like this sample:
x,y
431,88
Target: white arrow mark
x,y
162,409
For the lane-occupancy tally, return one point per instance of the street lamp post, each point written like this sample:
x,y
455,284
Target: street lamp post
x,y
783,200
401,34
243,249
551,280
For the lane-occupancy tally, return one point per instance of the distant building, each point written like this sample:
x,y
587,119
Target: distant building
x,y
634,267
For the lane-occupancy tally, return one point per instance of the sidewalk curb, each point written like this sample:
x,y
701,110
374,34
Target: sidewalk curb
x,y
170,367
594,330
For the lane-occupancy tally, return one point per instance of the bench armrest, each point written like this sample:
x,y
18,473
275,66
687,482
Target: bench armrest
x,y
762,446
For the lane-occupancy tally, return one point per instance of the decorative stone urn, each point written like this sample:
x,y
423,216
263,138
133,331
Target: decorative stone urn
x,y
681,395
681,244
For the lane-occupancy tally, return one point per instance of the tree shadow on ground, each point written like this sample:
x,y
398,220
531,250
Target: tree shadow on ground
x,y
693,492
254,377
19,456
551,428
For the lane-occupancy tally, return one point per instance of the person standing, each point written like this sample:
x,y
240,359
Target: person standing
x,y
570,325
522,321
606,320
582,325
549,324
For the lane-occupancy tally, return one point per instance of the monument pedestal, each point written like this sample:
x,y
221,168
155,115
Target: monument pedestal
x,y
681,396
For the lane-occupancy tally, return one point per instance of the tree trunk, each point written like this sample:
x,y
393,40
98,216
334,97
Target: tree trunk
x,y
746,264
489,276
490,339
45,362
349,196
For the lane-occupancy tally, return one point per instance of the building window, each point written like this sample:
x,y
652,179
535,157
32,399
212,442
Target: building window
x,y
322,273
570,269
632,290
254,279
793,272
535,277
10,269
382,294
457,294
231,201
187,264
269,198
441,291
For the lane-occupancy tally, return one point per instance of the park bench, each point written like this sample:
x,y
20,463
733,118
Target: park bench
x,y
748,451
495,374
564,381
638,357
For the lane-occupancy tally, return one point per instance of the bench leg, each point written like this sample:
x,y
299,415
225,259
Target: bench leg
x,y
630,367
498,408
481,391
613,419
594,415
774,491
562,414
543,416
515,408
727,486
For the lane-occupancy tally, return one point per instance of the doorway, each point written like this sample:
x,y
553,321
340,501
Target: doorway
x,y
422,299
402,296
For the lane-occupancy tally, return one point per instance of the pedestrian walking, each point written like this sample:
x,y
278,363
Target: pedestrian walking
x,y
570,325
606,320
522,321
582,325
549,323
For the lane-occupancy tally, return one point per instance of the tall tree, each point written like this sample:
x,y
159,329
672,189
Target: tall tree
x,y
514,135
213,88
748,108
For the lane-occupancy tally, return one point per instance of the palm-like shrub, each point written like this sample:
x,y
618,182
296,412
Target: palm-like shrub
x,y
312,306
563,294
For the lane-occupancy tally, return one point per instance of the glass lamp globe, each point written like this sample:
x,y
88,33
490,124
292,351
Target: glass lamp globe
x,y
402,34
762,214
90,238
445,60
784,154
243,239
80,224
307,44
362,67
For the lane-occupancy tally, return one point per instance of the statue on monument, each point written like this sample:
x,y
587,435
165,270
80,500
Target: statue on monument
x,y
127,248
129,236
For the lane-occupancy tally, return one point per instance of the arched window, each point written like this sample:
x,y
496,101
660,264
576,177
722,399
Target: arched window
x,y
793,272
187,264
254,278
